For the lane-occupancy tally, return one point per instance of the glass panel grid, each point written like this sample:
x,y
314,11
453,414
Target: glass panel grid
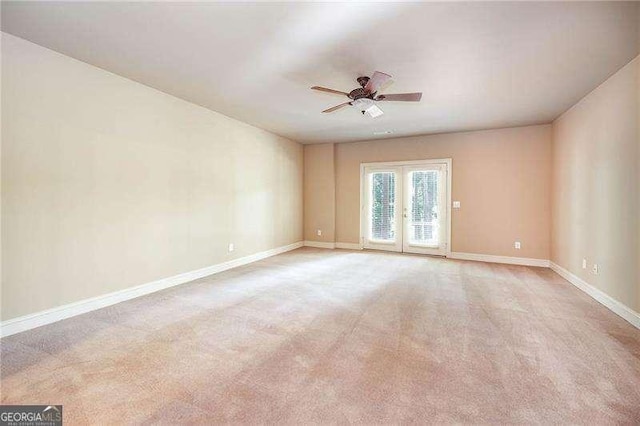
x,y
383,200
424,226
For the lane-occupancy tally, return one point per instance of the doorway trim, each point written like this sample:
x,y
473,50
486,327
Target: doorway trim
x,y
446,161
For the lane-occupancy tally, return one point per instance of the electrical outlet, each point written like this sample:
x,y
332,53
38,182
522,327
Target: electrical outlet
x,y
517,245
595,269
319,232
231,247
584,263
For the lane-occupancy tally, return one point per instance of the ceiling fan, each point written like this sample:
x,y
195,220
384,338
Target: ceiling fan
x,y
365,97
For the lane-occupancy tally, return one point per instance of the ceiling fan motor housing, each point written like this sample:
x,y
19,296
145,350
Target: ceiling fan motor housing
x,y
362,81
360,92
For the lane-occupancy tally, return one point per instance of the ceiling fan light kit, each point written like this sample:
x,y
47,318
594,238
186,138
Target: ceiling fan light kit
x,y
363,103
365,97
373,111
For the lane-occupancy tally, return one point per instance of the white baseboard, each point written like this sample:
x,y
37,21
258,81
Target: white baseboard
x,y
619,308
27,322
349,246
525,261
319,244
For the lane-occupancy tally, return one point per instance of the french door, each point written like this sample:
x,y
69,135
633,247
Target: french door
x,y
405,206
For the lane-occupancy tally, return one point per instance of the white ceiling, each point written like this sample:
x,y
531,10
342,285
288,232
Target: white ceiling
x,y
480,65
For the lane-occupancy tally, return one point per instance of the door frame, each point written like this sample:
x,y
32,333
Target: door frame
x,y
382,245
407,247
382,164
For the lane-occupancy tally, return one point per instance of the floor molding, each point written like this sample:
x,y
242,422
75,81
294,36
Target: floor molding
x,y
349,246
525,261
619,308
319,244
27,322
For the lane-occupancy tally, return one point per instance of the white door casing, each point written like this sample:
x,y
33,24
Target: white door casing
x,y
417,216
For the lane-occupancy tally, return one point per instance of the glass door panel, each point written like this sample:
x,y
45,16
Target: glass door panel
x,y
424,209
383,214
382,204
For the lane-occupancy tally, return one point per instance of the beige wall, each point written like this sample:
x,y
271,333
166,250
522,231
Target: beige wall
x,y
108,184
319,193
501,177
596,187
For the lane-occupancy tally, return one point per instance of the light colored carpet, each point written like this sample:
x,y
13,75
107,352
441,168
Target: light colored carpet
x,y
339,336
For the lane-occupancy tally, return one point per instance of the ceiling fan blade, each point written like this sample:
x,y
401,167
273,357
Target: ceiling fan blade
x,y
406,97
337,107
324,89
377,79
